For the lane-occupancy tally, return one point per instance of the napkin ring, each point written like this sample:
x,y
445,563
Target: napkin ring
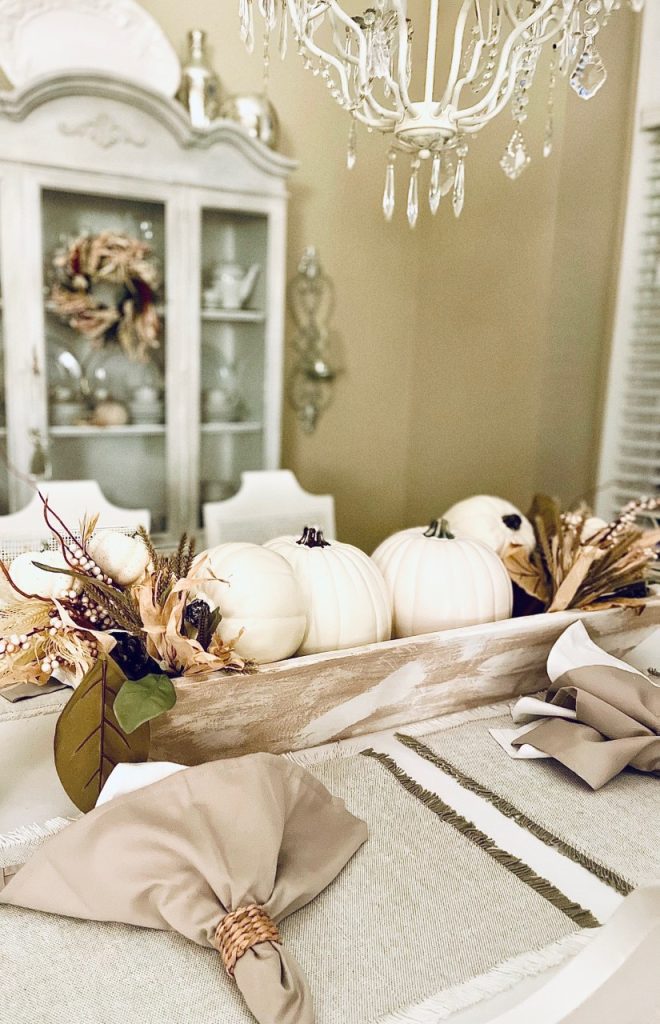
x,y
242,929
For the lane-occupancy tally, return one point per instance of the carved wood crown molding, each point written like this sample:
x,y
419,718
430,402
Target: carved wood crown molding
x,y
104,131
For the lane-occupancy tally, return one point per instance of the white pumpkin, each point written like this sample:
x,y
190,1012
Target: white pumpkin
x,y
256,591
123,558
345,595
592,526
495,522
31,580
437,581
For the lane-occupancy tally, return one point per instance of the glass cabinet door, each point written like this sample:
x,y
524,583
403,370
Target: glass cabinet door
x,y
232,365
105,349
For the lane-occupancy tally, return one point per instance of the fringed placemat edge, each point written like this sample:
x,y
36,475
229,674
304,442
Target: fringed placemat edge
x,y
484,986
576,913
340,750
500,803
20,841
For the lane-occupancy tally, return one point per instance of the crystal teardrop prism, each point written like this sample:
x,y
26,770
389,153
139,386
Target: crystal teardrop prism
x,y
515,157
284,30
434,187
447,174
590,74
548,136
412,208
268,12
247,24
458,197
351,152
388,194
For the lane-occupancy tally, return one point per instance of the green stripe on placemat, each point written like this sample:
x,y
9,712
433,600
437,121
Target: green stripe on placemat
x,y
503,805
613,832
517,867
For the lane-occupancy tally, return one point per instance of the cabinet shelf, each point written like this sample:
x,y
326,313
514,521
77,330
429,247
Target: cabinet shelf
x,y
231,316
242,427
126,430
148,429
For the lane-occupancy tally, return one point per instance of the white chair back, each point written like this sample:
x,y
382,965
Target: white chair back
x,y
26,530
270,503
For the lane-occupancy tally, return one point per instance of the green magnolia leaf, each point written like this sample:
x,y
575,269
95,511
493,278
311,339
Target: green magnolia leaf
x,y
140,700
89,740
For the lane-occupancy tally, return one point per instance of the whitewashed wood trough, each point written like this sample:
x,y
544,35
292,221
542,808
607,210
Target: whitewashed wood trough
x,y
302,702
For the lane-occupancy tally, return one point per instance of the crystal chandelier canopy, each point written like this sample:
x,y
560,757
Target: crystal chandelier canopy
x,y
432,94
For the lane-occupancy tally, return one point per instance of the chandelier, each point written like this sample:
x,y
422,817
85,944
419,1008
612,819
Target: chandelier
x,y
491,60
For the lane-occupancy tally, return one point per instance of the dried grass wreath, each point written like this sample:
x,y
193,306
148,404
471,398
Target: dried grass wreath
x,y
114,259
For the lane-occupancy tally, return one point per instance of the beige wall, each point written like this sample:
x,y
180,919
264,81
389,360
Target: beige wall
x,y
473,348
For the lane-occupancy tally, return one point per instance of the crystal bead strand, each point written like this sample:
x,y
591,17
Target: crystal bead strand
x,y
515,158
458,196
590,73
266,57
388,194
412,208
351,153
549,130
434,187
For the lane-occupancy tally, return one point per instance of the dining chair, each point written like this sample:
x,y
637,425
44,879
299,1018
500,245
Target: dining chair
x,y
26,529
268,504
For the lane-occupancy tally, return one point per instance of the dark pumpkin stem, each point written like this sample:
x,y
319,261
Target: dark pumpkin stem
x,y
439,529
313,538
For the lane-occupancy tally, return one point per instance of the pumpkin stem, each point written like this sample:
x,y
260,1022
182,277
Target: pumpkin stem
x,y
313,538
439,529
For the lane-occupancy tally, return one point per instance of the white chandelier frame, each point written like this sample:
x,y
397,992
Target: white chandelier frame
x,y
366,61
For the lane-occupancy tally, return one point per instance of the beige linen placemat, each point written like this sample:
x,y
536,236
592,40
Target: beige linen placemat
x,y
426,906
614,832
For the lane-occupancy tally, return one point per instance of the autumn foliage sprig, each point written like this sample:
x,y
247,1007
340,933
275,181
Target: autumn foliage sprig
x,y
582,562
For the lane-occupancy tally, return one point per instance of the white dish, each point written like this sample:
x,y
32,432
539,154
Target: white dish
x,y
42,37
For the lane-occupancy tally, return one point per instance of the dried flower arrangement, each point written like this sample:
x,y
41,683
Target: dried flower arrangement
x,y
582,562
119,620
114,259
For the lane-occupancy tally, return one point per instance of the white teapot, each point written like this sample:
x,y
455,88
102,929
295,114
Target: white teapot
x,y
232,285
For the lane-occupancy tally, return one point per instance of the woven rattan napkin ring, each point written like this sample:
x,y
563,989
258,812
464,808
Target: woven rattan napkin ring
x,y
242,929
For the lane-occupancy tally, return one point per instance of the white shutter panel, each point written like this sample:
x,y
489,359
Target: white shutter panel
x,y
636,464
629,465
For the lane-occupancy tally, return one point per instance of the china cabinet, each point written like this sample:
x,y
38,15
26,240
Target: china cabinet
x,y
82,155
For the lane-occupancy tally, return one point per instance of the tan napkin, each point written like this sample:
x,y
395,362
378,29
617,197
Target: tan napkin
x,y
183,853
616,719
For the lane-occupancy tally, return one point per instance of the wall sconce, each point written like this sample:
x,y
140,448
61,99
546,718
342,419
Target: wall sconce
x,y
311,303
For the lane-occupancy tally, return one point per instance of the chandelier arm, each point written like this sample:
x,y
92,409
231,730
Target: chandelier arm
x,y
349,58
489,100
474,122
479,18
383,119
431,50
359,62
471,74
401,8
454,69
336,12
